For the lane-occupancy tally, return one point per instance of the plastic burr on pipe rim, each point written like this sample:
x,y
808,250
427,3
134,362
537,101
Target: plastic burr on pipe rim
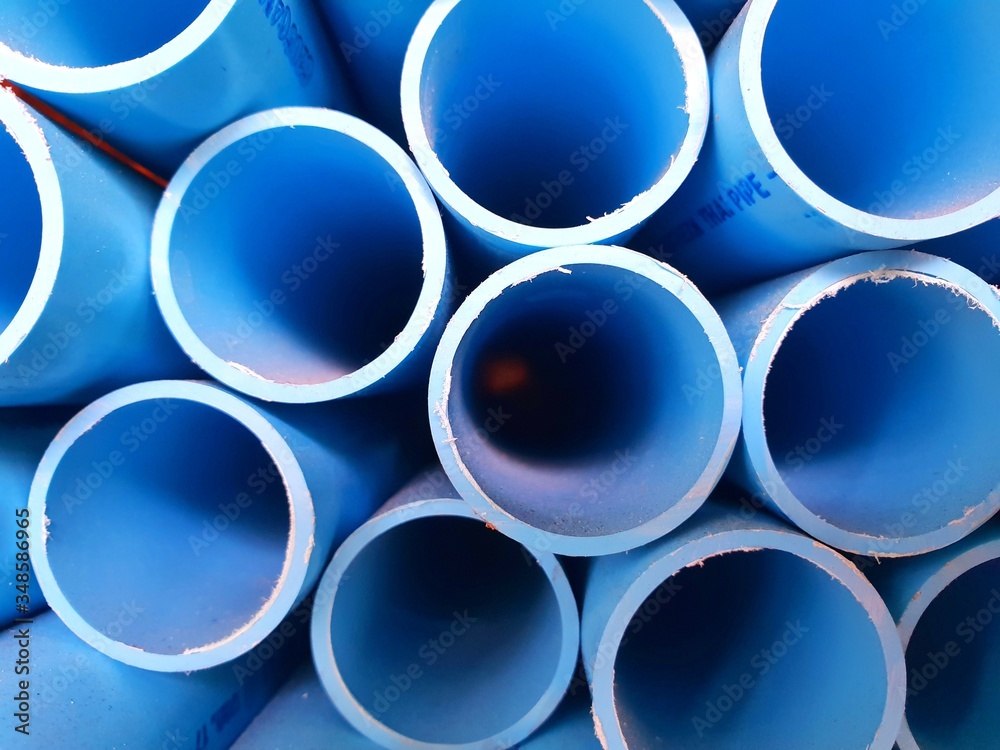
x,y
156,80
805,653
424,606
868,404
315,317
585,400
553,128
77,316
212,514
946,605
812,154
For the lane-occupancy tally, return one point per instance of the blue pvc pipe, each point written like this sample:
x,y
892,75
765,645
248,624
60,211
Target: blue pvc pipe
x,y
371,36
24,436
947,606
154,80
302,716
77,316
79,698
431,630
837,128
978,249
869,400
585,400
711,18
803,654
349,287
547,125
212,513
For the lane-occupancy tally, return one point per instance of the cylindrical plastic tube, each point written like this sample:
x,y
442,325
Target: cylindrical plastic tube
x,y
212,514
947,606
77,316
76,697
869,401
802,654
978,249
585,400
24,436
371,37
836,129
425,606
155,80
302,716
543,126
314,316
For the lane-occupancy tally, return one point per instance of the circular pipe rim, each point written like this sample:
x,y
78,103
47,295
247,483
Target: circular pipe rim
x,y
560,259
615,224
750,72
325,660
301,525
827,280
28,135
34,73
750,540
434,262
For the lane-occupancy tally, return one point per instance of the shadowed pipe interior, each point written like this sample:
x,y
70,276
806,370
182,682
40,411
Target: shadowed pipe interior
x,y
93,33
564,385
168,525
21,223
886,128
880,408
325,223
792,661
953,664
446,631
597,98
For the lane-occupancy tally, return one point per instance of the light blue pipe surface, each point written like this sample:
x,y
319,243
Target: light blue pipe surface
x,y
155,79
77,316
339,285
585,400
214,514
371,37
804,653
431,630
874,379
540,125
836,128
24,436
301,717
80,699
947,606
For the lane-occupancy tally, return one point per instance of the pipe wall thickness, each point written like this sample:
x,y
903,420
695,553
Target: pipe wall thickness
x,y
212,513
155,80
585,400
868,400
425,607
77,316
802,654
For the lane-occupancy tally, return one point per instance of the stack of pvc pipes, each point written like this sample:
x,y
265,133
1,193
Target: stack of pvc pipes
x,y
480,374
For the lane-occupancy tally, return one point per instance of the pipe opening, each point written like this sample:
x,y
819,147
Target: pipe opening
x,y
326,220
434,621
879,408
792,661
886,128
953,664
565,384
551,121
168,526
20,227
94,33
